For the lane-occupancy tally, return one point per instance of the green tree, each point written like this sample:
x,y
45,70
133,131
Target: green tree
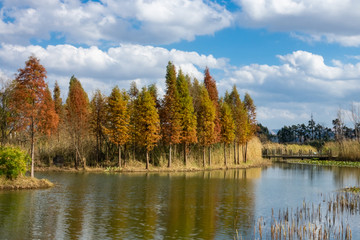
x,y
133,94
186,114
118,119
227,127
98,120
206,124
170,120
59,108
13,162
77,114
147,122
32,103
6,127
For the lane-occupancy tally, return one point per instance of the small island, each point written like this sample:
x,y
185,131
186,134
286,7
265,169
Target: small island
x,y
13,166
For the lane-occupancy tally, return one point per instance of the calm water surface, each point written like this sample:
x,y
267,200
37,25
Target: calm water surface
x,y
201,205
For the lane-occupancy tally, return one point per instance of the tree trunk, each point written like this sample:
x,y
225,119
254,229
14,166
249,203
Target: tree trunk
x,y
125,154
32,154
225,161
147,159
175,152
185,155
234,152
97,149
209,155
119,147
238,153
203,156
76,155
169,161
246,145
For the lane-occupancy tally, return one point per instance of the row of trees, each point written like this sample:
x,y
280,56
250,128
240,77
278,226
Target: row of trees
x,y
189,113
313,131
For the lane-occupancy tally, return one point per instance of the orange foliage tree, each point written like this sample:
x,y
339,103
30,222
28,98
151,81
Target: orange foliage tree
x,y
77,114
32,103
210,85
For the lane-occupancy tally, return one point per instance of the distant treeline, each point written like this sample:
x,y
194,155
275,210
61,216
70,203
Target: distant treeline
x,y
312,132
97,131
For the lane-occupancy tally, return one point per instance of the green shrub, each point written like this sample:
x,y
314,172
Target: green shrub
x,y
13,162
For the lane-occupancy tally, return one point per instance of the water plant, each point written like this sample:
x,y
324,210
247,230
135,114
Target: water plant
x,y
325,220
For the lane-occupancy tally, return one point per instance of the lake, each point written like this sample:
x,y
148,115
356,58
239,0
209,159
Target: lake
x,y
188,205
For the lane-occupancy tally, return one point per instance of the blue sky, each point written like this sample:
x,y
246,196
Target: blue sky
x,y
294,57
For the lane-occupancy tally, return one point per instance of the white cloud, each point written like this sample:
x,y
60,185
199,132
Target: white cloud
x,y
286,93
331,20
302,84
104,69
139,21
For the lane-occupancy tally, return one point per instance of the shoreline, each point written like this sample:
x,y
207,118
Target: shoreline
x,y
325,163
141,169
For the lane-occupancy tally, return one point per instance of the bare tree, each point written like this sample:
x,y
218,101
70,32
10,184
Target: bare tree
x,y
355,118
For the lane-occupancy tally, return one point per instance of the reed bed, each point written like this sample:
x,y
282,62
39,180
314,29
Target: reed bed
x,y
295,148
325,220
346,150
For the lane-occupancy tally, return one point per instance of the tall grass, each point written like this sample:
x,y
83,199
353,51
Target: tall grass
x,y
345,150
295,148
135,158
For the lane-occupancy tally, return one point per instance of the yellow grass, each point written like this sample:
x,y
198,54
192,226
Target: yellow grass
x,y
346,150
23,182
194,163
295,148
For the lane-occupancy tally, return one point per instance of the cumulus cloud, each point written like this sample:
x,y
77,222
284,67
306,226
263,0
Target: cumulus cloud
x,y
302,84
103,69
139,21
331,21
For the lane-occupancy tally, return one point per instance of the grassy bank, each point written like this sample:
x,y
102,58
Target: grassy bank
x,y
327,163
23,182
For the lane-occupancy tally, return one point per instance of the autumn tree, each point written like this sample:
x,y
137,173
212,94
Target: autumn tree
x,y
251,123
133,95
118,119
227,127
195,90
170,121
147,122
98,120
210,85
154,93
32,103
205,123
186,114
238,111
77,114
